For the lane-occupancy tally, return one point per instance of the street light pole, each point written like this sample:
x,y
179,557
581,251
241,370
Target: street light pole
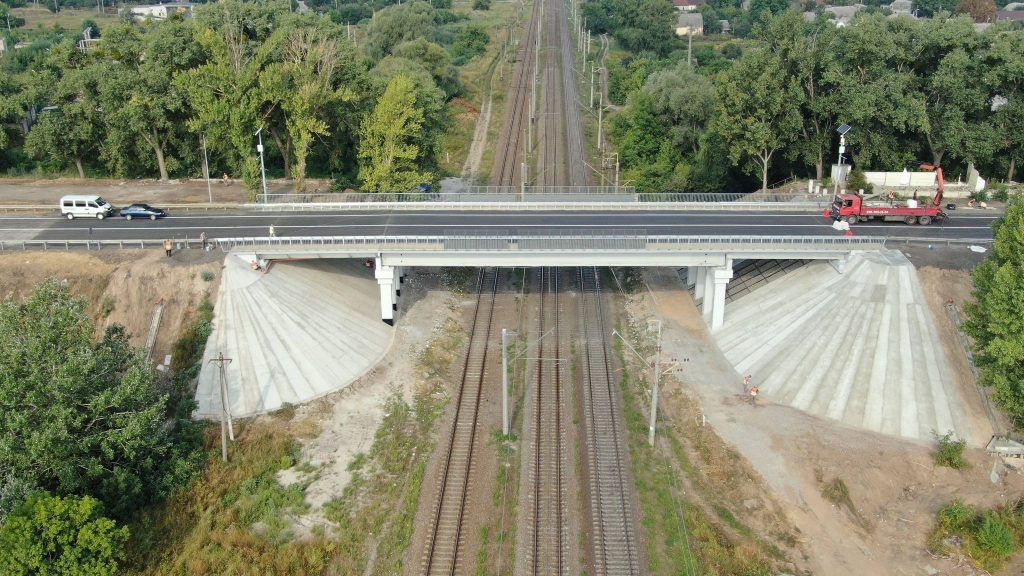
x,y
263,170
206,170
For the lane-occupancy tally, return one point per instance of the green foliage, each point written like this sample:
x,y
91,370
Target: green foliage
x,y
207,276
396,24
994,321
757,111
995,536
92,423
388,145
950,451
639,26
857,181
50,535
469,43
955,516
481,4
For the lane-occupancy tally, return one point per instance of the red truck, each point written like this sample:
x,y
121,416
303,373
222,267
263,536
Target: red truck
x,y
855,208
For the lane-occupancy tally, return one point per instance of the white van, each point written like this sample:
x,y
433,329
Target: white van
x,y
89,206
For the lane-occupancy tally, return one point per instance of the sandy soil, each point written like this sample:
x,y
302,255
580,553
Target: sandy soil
x,y
122,286
894,486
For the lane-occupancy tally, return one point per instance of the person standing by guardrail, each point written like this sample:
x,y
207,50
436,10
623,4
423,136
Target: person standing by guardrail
x,y
167,246
202,239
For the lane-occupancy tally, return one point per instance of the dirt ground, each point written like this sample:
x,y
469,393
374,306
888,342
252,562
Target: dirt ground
x,y
895,488
122,286
119,192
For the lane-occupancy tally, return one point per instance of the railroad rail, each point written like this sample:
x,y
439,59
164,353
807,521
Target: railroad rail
x,y
546,546
444,550
614,547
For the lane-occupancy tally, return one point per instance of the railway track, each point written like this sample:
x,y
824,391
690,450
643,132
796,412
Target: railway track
x,y
614,546
444,550
510,152
545,546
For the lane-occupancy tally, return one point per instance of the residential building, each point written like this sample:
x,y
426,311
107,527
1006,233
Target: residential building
x,y
690,24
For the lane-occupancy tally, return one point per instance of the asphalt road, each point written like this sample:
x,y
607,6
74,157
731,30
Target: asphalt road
x,y
430,223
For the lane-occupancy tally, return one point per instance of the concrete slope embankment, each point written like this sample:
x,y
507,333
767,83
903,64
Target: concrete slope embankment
x,y
301,331
860,347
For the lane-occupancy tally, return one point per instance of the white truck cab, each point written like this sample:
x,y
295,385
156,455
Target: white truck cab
x,y
86,205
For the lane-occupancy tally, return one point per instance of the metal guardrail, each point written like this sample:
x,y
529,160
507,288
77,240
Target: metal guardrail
x,y
439,242
169,207
513,194
497,206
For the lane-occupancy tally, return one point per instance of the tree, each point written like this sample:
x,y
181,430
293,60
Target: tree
x,y
435,59
807,52
387,151
929,8
79,417
469,43
429,99
141,105
684,100
761,9
758,111
979,10
1004,74
307,83
396,24
994,319
639,25
54,536
73,131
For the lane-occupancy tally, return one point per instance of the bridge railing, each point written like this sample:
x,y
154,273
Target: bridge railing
x,y
438,242
544,242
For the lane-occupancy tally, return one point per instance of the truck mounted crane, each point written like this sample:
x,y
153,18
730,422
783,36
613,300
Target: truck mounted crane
x,y
855,208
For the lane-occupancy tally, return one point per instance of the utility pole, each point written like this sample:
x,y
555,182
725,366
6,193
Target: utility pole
x,y
654,395
600,121
592,70
226,427
504,382
689,52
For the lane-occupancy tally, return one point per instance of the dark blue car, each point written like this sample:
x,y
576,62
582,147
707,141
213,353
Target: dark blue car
x,y
142,211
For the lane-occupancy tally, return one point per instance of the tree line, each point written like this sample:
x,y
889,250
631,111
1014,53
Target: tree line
x,y
151,96
742,115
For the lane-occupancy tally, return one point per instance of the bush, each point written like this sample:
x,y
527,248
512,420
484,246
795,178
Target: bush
x,y
950,451
857,181
207,276
61,536
481,4
994,536
980,196
471,42
955,516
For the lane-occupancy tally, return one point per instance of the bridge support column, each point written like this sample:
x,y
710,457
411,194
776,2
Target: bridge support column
x,y
400,274
708,305
721,280
699,273
691,276
385,276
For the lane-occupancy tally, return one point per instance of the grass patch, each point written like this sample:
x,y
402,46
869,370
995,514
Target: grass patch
x,y
40,20
235,518
375,513
681,537
988,538
950,451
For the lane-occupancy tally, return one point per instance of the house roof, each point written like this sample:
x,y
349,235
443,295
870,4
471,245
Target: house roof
x,y
1017,15
686,3
690,20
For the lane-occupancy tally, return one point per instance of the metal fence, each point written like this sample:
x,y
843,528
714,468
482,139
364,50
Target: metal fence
x,y
483,194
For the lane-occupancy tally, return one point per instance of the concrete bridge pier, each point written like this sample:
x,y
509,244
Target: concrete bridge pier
x,y
385,276
721,277
699,274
